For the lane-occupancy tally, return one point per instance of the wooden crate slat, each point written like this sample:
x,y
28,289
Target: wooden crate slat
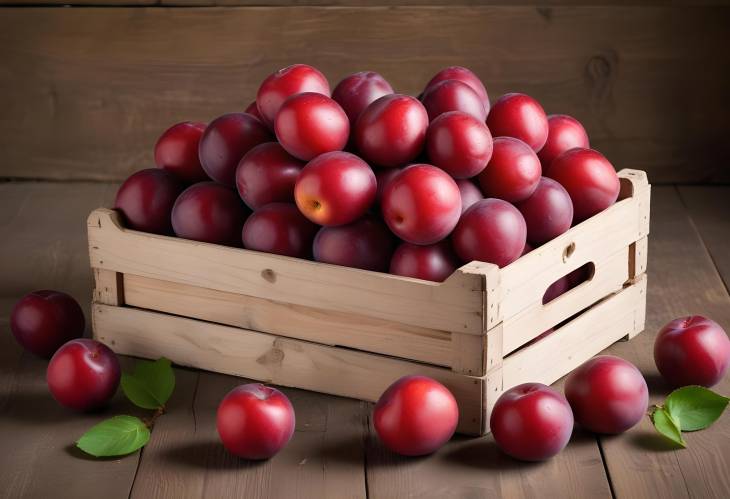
x,y
338,371
638,257
108,287
294,321
273,359
525,281
610,275
468,354
565,349
454,305
554,356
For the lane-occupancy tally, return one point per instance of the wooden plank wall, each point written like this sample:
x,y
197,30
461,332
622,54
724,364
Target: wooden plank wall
x,y
85,91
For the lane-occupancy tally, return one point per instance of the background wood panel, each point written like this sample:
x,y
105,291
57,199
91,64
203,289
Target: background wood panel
x,y
85,91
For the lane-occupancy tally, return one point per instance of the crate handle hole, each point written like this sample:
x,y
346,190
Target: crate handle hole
x,y
568,251
569,281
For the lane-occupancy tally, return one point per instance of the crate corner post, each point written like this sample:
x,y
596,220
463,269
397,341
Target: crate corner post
x,y
108,285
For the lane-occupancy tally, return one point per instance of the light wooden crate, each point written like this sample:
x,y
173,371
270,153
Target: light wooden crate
x,y
351,332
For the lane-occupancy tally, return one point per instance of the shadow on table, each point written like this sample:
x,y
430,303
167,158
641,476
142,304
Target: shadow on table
x,y
479,453
207,455
35,407
657,385
652,441
77,453
347,449
482,453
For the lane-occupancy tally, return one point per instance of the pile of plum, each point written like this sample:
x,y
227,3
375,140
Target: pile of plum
x,y
368,178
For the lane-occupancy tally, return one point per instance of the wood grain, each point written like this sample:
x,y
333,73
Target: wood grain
x,y
572,344
349,3
273,359
477,468
323,326
682,281
709,208
43,238
40,458
42,228
43,246
291,362
85,92
604,240
185,458
453,305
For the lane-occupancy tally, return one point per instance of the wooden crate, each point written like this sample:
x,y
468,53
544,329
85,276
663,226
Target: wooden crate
x,y
351,332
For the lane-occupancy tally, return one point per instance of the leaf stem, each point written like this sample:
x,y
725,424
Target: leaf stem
x,y
150,422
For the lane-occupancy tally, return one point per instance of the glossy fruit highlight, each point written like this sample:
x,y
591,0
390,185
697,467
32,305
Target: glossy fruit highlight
x,y
279,86
177,151
279,228
310,124
146,198
422,204
531,422
608,394
44,320
692,350
267,174
209,212
459,144
519,116
512,172
83,374
364,244
392,130
255,421
335,188
415,416
226,140
491,231
590,180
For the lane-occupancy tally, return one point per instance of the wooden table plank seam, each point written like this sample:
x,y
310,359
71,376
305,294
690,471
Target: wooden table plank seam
x,y
712,255
683,280
606,470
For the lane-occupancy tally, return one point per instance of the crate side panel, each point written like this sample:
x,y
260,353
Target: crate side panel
x,y
525,281
557,354
273,359
454,305
610,275
294,321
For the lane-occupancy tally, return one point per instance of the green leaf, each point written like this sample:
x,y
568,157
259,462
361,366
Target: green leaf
x,y
138,393
667,425
118,436
695,407
151,383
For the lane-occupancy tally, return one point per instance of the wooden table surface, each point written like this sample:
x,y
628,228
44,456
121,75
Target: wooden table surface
x,y
334,452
